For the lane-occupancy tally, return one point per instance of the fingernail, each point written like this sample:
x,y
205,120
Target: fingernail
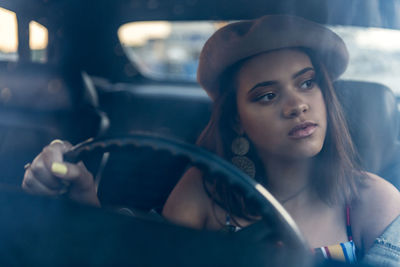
x,y
59,168
56,141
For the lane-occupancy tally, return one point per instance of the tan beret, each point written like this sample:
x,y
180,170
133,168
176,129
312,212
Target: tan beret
x,y
244,39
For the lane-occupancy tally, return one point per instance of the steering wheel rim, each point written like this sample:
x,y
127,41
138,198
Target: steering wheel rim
x,y
206,161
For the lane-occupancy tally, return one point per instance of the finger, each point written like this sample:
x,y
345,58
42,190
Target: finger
x,y
69,171
77,174
40,172
63,143
54,153
34,186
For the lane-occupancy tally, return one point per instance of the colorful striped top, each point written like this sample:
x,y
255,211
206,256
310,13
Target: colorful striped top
x,y
345,252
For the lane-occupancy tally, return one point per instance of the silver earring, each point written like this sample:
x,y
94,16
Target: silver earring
x,y
240,147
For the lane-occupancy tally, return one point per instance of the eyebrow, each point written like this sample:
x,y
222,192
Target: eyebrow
x,y
269,83
297,74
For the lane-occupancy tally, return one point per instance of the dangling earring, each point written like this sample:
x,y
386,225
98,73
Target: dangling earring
x,y
240,147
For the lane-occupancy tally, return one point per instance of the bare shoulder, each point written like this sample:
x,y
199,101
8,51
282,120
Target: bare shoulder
x,y
188,203
376,207
379,195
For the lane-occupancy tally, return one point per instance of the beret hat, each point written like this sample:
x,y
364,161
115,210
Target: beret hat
x,y
241,40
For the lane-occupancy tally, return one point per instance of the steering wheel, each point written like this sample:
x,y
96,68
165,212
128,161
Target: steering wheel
x,y
48,231
270,209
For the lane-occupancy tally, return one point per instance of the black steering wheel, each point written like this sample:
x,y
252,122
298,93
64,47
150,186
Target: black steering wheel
x,y
272,212
46,231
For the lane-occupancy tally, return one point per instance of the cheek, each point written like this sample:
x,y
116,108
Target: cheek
x,y
257,123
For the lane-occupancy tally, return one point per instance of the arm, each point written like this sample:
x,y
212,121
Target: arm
x,y
377,206
188,203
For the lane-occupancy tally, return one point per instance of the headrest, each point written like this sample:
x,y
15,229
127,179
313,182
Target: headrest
x,y
372,115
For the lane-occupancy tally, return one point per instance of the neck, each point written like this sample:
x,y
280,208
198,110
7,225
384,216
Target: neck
x,y
289,180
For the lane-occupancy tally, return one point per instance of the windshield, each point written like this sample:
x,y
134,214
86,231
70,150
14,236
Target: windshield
x,y
169,51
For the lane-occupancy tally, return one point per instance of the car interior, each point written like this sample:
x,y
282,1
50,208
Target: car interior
x,y
88,87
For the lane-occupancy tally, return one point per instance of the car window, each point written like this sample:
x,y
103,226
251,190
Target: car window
x,y
374,54
38,42
8,35
38,38
165,50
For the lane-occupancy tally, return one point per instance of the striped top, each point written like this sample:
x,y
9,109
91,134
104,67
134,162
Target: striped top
x,y
345,252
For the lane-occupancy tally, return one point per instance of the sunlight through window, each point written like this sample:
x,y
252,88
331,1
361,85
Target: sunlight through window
x,y
8,35
38,41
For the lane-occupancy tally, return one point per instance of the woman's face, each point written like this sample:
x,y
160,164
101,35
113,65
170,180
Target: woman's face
x,y
280,105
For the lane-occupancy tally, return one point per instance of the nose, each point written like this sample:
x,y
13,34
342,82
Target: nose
x,y
294,106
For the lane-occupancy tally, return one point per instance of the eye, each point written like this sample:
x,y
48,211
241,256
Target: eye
x,y
266,97
309,84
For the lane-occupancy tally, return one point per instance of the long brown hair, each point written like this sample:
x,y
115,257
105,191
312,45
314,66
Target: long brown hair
x,y
336,173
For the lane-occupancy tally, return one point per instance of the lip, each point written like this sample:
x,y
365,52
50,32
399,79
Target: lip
x,y
303,130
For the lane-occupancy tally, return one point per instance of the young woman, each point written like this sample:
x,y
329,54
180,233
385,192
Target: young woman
x,y
275,116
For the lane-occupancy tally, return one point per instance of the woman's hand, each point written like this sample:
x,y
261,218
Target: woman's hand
x,y
50,175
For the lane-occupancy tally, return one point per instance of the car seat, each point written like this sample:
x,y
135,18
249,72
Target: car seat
x,y
370,110
372,114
